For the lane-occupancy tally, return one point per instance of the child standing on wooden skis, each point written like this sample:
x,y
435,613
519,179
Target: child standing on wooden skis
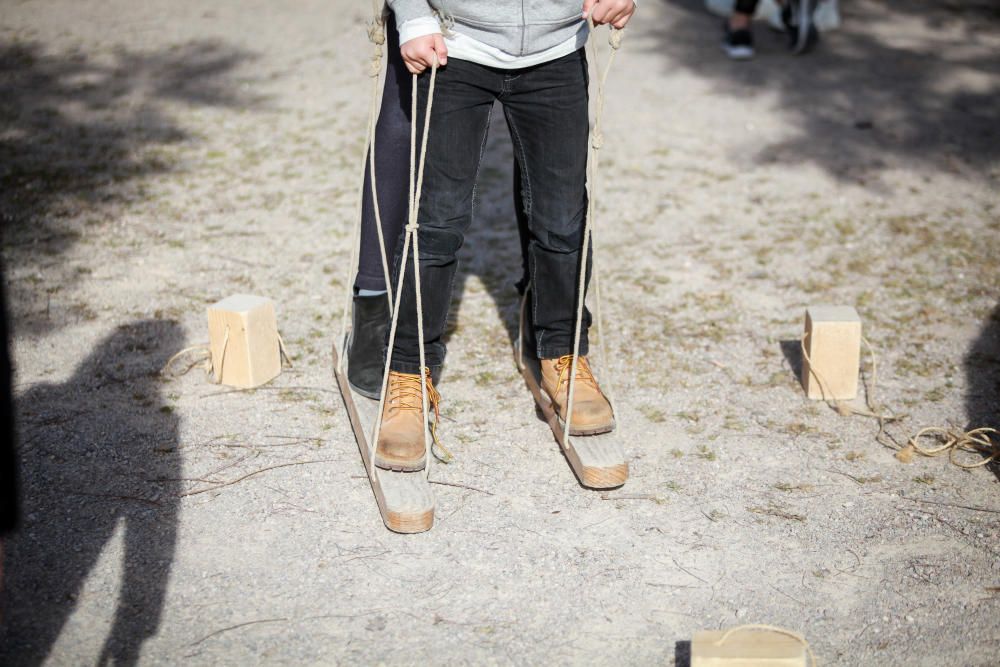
x,y
528,55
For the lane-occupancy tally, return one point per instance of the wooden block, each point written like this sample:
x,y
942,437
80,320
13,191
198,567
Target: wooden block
x,y
747,648
243,338
833,346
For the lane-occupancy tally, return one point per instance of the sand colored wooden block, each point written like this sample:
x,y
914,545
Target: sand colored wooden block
x,y
833,352
747,648
243,338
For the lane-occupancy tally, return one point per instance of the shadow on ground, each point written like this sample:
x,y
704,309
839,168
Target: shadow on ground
x,y
79,132
99,457
982,371
912,82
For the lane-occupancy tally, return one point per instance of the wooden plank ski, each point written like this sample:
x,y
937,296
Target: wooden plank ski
x,y
404,499
597,460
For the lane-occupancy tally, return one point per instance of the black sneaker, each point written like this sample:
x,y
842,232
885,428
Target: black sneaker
x,y
365,345
738,44
801,28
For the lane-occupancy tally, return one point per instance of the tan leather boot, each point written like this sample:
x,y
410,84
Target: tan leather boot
x,y
401,439
592,412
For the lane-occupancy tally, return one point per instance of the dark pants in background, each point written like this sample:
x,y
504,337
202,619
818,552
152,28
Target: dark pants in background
x,y
8,468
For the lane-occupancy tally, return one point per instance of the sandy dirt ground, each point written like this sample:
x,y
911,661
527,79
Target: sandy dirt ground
x,y
158,156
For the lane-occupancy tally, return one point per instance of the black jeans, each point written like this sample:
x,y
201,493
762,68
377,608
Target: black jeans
x,y
546,108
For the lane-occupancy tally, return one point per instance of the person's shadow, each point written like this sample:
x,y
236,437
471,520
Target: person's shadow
x,y
98,453
982,371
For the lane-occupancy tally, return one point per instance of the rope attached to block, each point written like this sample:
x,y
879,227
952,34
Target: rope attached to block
x,y
215,374
952,441
769,628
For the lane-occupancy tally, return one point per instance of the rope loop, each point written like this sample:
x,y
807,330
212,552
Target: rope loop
x,y
597,139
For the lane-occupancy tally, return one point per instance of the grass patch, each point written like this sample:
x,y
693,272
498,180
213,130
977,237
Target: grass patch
x,y
705,453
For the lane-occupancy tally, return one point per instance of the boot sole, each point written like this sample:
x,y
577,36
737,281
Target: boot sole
x,y
399,465
589,430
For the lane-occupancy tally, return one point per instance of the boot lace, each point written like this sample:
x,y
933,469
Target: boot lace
x,y
583,372
405,394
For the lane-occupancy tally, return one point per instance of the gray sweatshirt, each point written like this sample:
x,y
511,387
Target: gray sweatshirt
x,y
517,27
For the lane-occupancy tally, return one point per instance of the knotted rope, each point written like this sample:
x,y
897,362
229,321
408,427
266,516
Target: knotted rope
x,y
977,441
596,142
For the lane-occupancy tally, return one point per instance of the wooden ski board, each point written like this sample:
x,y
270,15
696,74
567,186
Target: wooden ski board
x,y
404,499
597,460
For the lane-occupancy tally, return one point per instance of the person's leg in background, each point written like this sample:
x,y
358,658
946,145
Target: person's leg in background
x,y
8,462
738,40
796,20
392,149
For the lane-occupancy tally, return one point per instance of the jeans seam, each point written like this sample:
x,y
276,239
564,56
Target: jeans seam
x,y
525,175
479,165
528,208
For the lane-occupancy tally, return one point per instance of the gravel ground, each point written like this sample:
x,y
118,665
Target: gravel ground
x,y
158,156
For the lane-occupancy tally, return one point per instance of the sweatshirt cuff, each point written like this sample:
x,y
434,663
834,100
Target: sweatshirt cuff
x,y
407,10
419,27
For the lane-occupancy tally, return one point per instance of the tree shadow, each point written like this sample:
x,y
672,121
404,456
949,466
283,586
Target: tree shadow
x,y
98,453
982,371
913,82
80,132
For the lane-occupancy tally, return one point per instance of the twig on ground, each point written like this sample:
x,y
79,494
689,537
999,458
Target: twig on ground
x,y
964,507
775,588
113,496
255,472
634,496
268,388
687,571
461,486
773,510
238,625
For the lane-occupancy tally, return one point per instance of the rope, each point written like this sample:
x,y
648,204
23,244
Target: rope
x,y
596,142
376,33
412,227
842,407
771,628
204,364
215,375
976,440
